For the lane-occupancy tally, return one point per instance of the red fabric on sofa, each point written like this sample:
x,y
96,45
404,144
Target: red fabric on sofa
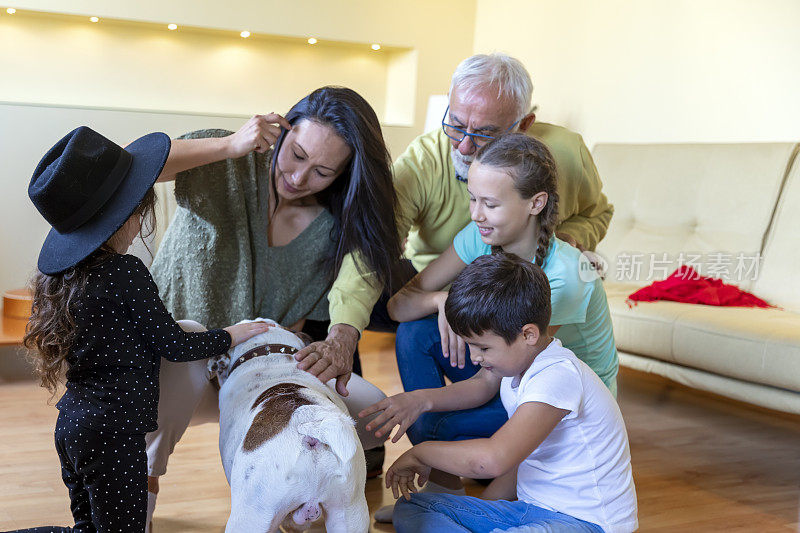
x,y
686,285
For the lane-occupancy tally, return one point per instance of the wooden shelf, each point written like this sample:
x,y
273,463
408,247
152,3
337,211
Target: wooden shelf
x,y
16,309
12,330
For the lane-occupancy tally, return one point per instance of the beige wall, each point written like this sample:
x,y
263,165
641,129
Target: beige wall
x,y
146,67
656,70
118,65
627,71
128,75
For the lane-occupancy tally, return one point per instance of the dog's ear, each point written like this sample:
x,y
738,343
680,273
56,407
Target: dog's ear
x,y
305,338
336,431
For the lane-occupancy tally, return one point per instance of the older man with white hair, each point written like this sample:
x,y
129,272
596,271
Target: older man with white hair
x,y
489,95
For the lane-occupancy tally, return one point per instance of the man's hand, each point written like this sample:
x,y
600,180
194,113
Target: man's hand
x,y
400,476
331,358
401,409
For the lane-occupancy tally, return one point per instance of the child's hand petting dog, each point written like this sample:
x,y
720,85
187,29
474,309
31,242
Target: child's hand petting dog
x,y
401,409
241,332
400,476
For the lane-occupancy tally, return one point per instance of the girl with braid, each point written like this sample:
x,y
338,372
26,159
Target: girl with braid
x,y
513,206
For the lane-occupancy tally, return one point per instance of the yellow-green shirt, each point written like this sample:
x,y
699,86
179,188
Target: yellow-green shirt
x,y
433,206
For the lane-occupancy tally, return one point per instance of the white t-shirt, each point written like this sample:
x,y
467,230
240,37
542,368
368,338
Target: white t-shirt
x,y
583,468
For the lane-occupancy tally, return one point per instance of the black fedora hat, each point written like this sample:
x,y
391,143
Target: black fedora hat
x,y
86,187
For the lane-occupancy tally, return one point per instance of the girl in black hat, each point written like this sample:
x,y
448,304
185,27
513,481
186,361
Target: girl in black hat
x,y
97,317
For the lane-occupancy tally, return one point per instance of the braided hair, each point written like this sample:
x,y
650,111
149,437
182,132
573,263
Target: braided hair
x,y
533,170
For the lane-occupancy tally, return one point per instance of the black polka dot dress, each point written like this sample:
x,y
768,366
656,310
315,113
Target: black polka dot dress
x,y
111,401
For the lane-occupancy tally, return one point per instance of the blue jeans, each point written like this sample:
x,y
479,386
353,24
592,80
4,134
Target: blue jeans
x,y
433,512
422,366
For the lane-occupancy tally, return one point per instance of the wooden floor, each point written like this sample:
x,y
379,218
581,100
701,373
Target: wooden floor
x,y
700,462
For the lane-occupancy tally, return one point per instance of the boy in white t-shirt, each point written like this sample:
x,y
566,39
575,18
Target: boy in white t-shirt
x,y
563,455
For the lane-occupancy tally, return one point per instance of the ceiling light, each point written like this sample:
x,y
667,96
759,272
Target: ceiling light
x,y
245,34
172,27
376,46
94,19
11,10
312,40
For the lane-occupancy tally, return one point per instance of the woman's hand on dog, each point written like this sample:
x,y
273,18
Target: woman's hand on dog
x,y
400,476
399,410
241,332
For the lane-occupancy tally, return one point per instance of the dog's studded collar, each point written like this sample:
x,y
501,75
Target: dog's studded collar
x,y
259,351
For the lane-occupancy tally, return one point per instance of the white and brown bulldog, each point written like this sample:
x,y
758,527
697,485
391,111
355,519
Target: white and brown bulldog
x,y
289,448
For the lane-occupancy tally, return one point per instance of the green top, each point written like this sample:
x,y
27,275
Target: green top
x,y
434,207
215,264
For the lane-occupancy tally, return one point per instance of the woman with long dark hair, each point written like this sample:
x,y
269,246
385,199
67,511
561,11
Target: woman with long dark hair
x,y
263,232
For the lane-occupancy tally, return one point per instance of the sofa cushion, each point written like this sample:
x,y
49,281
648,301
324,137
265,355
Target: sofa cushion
x,y
699,199
756,345
778,280
642,329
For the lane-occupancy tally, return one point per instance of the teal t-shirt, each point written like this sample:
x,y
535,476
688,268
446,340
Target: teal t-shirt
x,y
580,307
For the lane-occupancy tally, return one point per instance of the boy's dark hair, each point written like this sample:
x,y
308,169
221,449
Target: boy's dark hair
x,y
499,293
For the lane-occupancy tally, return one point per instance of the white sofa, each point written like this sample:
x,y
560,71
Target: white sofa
x,y
724,205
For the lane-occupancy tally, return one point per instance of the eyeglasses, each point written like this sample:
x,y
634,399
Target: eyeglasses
x,y
458,135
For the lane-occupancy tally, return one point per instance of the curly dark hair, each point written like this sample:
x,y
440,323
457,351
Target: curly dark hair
x,y
533,169
51,329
